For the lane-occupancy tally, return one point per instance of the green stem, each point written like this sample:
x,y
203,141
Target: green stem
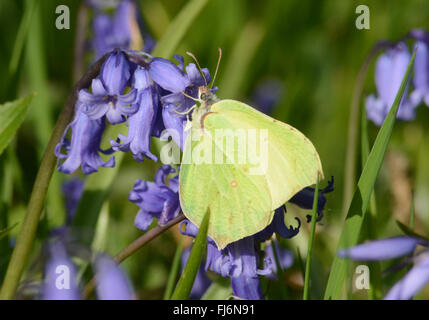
x,y
28,231
311,241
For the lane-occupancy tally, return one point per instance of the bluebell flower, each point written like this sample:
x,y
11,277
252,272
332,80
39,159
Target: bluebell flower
x,y
118,31
112,283
156,199
107,98
60,275
72,190
304,199
141,123
285,258
421,75
240,260
84,148
266,95
391,248
202,282
421,67
389,71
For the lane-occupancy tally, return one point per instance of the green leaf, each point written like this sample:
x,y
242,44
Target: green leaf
x,y
358,207
12,115
177,29
186,281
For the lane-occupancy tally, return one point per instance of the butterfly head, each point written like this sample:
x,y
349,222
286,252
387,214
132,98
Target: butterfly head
x,y
206,96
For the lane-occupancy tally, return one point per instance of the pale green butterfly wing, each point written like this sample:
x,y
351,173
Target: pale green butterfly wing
x,y
293,162
240,205
242,202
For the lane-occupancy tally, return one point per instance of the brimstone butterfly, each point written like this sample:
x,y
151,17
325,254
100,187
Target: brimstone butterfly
x,y
240,198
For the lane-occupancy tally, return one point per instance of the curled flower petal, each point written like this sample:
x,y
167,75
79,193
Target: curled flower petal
x,y
84,147
156,200
140,127
384,249
278,226
304,199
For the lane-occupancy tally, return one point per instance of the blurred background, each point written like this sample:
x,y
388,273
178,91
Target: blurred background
x,y
306,54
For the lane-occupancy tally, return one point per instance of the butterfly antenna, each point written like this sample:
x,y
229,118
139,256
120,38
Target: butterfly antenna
x,y
217,66
199,67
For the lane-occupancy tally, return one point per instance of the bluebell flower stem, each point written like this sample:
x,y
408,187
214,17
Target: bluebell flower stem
x,y
306,295
35,206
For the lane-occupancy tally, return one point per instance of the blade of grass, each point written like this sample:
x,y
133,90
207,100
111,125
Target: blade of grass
x,y
21,36
174,270
186,281
375,267
358,207
306,295
177,29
